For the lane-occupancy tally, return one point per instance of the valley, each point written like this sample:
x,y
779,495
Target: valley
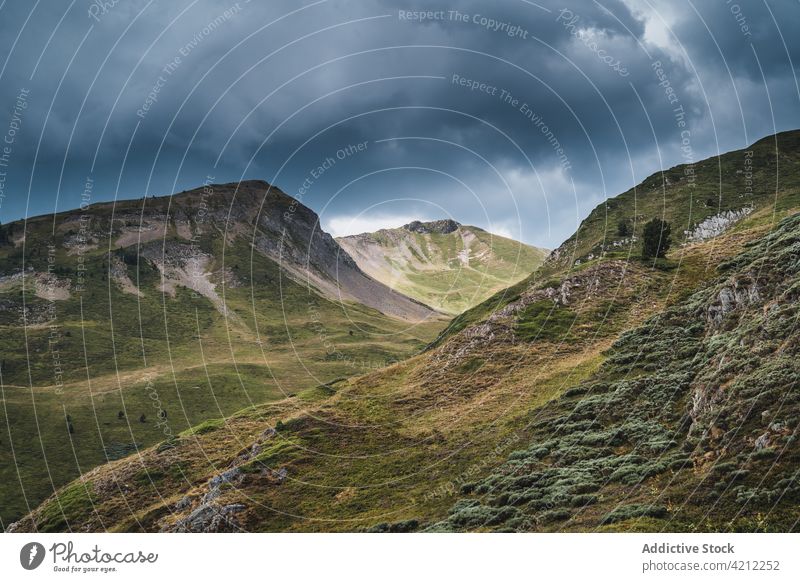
x,y
603,391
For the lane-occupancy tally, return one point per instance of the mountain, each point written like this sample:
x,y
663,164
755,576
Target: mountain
x,y
605,391
442,263
123,323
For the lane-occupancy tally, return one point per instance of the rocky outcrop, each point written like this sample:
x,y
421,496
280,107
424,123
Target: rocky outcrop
x,y
119,274
736,294
207,513
211,519
209,516
714,226
445,226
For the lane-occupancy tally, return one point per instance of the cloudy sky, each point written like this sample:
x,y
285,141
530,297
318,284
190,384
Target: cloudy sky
x,y
516,116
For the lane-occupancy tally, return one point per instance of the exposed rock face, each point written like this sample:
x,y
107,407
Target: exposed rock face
x,y
715,225
738,293
499,326
46,286
119,274
211,519
772,436
50,287
289,233
445,226
208,514
187,266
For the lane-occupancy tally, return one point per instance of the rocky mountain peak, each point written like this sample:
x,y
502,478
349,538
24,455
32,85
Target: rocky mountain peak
x,y
445,226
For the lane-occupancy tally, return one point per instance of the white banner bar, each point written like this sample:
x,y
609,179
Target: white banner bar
x,y
464,557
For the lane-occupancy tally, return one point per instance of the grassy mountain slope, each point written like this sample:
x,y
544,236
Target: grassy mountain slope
x,y
690,424
168,306
614,393
762,180
446,265
688,195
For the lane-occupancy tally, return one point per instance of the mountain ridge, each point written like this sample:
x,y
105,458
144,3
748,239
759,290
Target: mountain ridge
x,y
282,228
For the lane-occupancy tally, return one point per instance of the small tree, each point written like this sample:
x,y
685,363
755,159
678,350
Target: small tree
x,y
623,228
143,418
656,239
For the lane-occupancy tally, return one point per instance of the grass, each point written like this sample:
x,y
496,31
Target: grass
x,y
625,437
67,507
398,445
544,321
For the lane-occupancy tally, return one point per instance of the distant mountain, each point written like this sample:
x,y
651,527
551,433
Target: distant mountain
x,y
442,263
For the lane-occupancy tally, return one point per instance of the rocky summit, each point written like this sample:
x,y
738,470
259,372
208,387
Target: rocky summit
x,y
445,226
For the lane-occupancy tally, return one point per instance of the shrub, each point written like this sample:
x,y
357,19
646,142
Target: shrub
x,y
656,239
766,453
554,515
583,500
480,515
633,511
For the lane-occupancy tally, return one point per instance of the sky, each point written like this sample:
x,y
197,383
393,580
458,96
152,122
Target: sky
x,y
515,116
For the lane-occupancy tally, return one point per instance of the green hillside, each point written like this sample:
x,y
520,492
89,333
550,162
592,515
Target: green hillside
x,y
689,425
687,195
766,187
96,333
443,264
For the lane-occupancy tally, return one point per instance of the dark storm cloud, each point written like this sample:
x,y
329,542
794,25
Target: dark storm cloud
x,y
566,108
